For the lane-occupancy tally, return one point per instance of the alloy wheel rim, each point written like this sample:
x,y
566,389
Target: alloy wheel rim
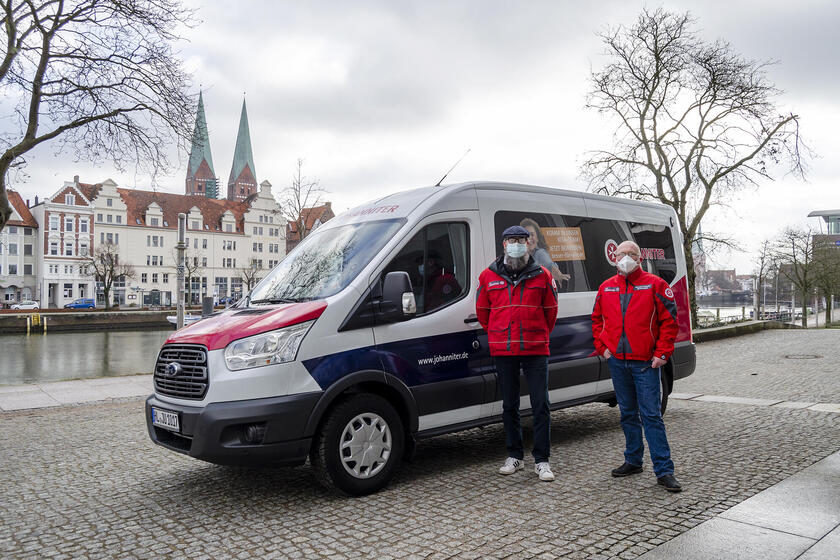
x,y
365,445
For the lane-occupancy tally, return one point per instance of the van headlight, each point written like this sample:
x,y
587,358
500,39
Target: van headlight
x,y
273,347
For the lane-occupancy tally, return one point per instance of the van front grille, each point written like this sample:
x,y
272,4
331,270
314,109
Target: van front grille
x,y
181,371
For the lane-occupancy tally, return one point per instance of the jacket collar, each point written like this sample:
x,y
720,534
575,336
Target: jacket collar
x,y
633,277
499,268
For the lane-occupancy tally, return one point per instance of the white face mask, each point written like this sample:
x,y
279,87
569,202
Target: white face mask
x,y
515,250
626,265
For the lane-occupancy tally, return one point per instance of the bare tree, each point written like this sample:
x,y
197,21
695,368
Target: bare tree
x,y
193,262
250,273
827,272
794,250
763,265
105,266
304,192
98,76
694,122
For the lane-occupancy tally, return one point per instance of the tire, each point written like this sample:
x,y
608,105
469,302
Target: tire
x,y
353,422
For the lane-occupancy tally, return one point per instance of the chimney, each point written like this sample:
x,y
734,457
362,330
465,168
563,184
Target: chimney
x,y
76,180
328,204
36,200
27,203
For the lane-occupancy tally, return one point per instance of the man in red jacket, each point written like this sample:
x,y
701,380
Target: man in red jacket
x,y
634,323
517,305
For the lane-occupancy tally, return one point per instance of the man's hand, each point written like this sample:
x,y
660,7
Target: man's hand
x,y
657,363
607,354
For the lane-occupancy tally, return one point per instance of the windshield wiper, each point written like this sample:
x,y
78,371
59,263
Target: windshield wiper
x,y
274,300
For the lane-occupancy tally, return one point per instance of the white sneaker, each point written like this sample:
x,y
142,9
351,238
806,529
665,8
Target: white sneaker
x,y
544,472
511,466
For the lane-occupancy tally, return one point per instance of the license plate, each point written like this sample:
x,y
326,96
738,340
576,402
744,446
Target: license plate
x,y
165,419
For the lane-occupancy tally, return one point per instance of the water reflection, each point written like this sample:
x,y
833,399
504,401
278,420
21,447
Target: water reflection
x,y
58,356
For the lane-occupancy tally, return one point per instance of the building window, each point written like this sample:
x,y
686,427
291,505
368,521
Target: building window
x,y
109,237
154,222
68,290
53,247
12,269
195,224
69,199
154,241
154,260
53,223
154,277
83,249
119,219
161,241
144,278
27,231
27,269
99,217
229,227
203,243
83,226
68,248
27,250
203,261
68,223
109,202
13,248
148,241
195,243
110,218
166,278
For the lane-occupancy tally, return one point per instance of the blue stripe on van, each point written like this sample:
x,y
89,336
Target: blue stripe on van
x,y
571,339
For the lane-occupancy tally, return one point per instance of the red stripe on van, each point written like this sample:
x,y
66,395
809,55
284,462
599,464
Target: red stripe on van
x,y
683,310
220,330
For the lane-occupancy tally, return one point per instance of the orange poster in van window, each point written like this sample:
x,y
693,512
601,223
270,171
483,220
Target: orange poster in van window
x,y
564,243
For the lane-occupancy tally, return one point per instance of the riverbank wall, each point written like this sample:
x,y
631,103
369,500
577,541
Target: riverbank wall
x,y
64,321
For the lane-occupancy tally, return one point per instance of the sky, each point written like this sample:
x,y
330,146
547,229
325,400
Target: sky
x,y
379,97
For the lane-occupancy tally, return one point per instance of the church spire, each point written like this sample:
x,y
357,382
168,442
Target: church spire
x,y
201,178
243,176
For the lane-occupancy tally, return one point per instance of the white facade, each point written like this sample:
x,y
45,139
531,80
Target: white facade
x,y
18,263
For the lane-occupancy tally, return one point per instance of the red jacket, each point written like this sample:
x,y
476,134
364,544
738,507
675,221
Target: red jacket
x,y
635,317
517,315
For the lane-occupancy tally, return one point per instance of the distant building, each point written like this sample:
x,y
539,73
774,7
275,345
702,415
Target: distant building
x,y
311,218
242,182
201,178
721,281
832,223
746,282
18,261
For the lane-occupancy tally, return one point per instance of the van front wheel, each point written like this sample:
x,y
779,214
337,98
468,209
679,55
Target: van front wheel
x,y
359,445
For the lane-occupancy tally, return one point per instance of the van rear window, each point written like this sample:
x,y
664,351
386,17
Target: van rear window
x,y
579,251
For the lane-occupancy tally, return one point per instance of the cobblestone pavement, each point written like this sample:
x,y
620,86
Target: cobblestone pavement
x,y
755,365
87,482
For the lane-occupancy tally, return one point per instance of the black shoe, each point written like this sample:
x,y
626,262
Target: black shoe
x,y
670,483
626,470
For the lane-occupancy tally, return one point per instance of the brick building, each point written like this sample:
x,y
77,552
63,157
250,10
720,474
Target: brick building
x,y
311,218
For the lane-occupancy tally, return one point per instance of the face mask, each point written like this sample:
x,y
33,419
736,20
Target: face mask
x,y
515,250
626,265
420,268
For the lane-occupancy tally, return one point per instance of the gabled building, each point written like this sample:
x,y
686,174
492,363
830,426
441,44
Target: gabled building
x,y
18,260
310,219
65,241
242,182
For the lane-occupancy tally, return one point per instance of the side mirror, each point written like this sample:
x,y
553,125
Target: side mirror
x,y
397,302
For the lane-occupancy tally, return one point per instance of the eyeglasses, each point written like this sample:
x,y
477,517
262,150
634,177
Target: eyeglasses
x,y
517,239
623,254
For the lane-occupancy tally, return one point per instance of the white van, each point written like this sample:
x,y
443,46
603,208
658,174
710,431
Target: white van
x,y
364,339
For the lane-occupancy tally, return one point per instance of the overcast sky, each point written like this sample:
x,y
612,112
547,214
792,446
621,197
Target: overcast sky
x,y
378,97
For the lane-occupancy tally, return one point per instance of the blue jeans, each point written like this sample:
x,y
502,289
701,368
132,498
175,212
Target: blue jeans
x,y
535,369
637,391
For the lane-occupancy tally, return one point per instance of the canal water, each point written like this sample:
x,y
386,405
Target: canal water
x,y
59,356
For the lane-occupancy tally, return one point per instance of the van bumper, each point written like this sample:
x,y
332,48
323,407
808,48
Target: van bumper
x,y
252,432
684,359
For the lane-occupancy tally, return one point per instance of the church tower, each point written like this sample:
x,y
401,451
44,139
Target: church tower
x,y
243,177
201,179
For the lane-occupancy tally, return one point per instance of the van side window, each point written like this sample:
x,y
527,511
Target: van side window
x,y
657,249
437,261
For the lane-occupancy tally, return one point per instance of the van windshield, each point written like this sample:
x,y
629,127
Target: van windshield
x,y
325,262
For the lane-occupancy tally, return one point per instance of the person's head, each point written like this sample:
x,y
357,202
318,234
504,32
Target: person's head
x,y
515,242
628,257
535,236
429,265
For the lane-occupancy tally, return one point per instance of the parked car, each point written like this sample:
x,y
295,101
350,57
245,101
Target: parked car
x,y
26,304
81,303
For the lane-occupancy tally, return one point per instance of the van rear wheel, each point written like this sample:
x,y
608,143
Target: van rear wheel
x,y
359,445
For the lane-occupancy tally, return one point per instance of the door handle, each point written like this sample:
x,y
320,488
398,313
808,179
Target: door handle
x,y
471,319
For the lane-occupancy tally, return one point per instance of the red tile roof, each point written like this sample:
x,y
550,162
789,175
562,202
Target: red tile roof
x,y
27,220
137,201
310,216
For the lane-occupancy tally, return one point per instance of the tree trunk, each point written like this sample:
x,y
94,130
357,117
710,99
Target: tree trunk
x,y
805,309
827,311
106,293
5,207
691,278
